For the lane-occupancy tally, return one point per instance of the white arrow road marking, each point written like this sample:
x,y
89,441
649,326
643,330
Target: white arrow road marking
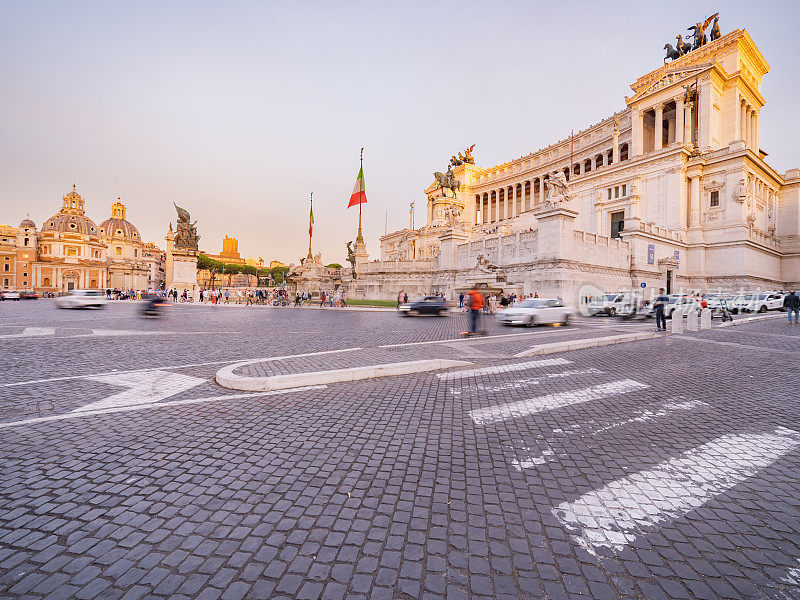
x,y
615,514
159,405
143,388
523,366
30,332
523,408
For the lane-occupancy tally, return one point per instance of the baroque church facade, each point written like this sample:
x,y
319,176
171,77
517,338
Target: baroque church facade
x,y
71,252
672,191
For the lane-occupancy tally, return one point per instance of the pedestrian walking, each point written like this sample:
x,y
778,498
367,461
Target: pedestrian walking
x,y
322,299
660,304
476,303
791,303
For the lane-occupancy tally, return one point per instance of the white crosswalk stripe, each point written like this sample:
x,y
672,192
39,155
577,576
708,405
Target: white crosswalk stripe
x,y
524,382
615,514
532,406
508,368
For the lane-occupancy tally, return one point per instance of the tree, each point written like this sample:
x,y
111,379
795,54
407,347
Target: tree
x,y
333,266
278,274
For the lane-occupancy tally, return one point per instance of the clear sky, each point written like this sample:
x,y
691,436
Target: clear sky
x,y
238,110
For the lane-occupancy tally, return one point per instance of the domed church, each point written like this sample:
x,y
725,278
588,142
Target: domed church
x,y
70,253
127,269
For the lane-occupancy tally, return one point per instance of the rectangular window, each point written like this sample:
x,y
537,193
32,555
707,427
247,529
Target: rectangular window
x,y
119,251
6,267
617,223
624,189
72,252
24,274
609,193
5,282
616,191
715,198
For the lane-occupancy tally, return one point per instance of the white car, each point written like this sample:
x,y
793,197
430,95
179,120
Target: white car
x,y
617,303
760,302
9,295
535,311
82,299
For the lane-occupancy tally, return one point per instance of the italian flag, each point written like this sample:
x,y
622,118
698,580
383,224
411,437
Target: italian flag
x,y
311,222
359,195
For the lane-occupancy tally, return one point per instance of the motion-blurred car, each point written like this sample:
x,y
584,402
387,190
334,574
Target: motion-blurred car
x,y
615,303
82,299
535,311
28,295
427,305
760,302
9,295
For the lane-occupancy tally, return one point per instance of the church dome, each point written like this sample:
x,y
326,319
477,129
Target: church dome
x,y
118,226
71,218
27,223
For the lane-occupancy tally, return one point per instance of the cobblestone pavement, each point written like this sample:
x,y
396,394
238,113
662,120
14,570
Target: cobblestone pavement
x,y
665,468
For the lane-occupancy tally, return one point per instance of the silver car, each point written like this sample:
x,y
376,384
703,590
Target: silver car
x,y
82,299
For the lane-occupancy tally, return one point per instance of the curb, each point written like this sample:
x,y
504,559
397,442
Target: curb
x,y
751,319
585,343
226,377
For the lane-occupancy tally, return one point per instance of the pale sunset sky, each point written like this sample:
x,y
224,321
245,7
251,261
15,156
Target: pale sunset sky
x,y
238,110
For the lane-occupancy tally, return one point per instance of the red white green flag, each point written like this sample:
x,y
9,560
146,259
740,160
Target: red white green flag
x,y
311,221
359,195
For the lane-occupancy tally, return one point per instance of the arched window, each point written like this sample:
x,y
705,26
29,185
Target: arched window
x,y
46,282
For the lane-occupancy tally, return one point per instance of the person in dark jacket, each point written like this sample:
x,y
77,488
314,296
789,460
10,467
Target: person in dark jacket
x,y
791,302
660,304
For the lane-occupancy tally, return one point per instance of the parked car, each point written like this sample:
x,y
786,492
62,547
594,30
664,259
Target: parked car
x,y
615,303
28,295
9,295
535,311
82,299
760,302
427,305
683,303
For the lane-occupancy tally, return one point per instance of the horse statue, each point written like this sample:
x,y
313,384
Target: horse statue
x,y
681,46
467,156
700,38
447,181
715,33
672,53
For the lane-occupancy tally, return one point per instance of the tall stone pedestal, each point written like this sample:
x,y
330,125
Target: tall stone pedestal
x,y
181,268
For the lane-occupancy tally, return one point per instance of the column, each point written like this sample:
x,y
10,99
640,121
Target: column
x,y
694,209
615,149
485,208
688,133
743,122
513,200
492,207
755,132
679,115
477,209
430,211
541,189
637,133
509,196
704,117
748,112
658,127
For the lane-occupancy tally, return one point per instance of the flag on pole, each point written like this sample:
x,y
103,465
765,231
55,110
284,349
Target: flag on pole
x,y
359,195
311,221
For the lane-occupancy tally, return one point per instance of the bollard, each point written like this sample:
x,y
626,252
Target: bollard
x,y
677,321
705,318
692,320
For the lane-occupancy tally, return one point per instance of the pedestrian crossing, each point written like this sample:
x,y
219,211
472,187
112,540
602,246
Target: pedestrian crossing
x,y
502,412
611,516
615,514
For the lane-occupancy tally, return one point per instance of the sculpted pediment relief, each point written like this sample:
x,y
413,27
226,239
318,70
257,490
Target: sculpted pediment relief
x,y
667,79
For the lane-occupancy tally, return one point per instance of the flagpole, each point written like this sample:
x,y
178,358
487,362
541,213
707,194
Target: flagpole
x,y
310,225
360,237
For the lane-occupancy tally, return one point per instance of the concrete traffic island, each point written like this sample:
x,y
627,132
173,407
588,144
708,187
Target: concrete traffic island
x,y
228,378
